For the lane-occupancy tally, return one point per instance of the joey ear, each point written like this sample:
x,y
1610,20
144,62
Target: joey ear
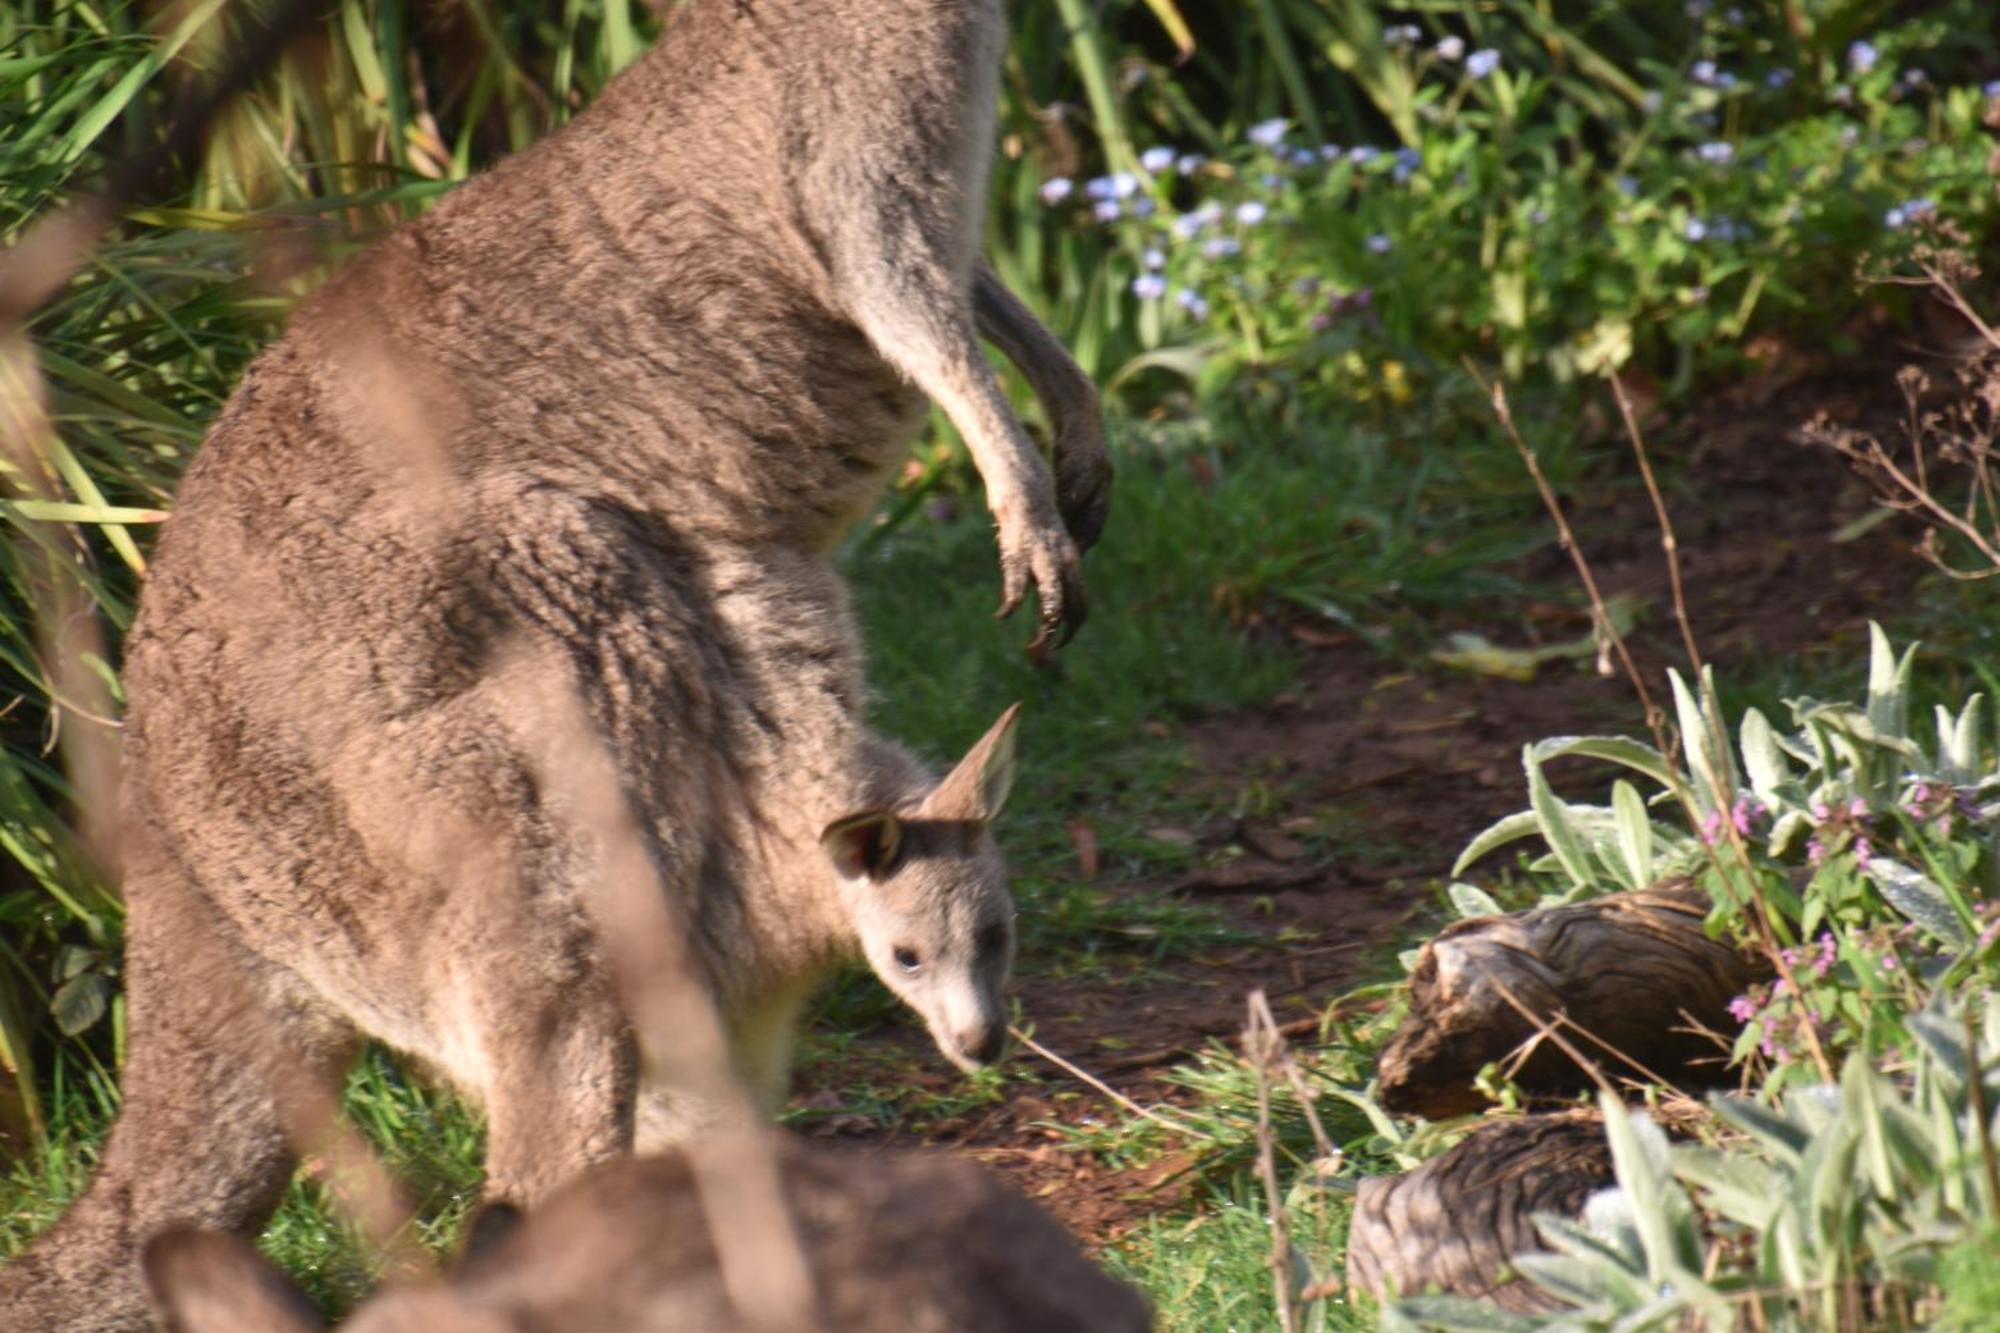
x,y
863,845
977,788
212,1282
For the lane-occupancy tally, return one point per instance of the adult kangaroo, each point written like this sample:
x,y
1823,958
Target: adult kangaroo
x,y
609,407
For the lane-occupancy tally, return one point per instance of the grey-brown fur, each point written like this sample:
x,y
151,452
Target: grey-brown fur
x,y
918,1243
608,408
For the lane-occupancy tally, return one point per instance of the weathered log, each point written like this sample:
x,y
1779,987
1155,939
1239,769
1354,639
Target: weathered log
x,y
1456,1221
1633,969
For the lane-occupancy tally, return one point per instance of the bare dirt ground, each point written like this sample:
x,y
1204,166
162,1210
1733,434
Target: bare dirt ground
x,y
1412,760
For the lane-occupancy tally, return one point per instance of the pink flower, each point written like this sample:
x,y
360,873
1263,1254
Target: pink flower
x,y
1863,852
1857,808
1742,1009
1827,953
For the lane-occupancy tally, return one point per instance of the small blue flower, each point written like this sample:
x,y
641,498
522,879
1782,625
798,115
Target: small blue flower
x,y
1718,153
1777,78
1862,56
1992,89
1362,154
1100,187
1271,180
1538,217
1915,78
1106,210
1156,160
1651,101
1186,227
1221,247
1210,213
1627,186
1405,34
1192,302
1329,152
1482,62
1154,259
1695,231
1142,208
1840,95
1703,71
1189,163
1251,213
1269,133
1306,286
1379,244
1303,157
1056,189
1408,161
1894,219
1149,286
1451,48
1124,185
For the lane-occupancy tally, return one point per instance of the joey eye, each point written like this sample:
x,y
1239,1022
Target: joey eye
x,y
906,958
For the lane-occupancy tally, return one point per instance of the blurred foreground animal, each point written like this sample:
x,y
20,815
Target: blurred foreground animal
x,y
588,433
914,1242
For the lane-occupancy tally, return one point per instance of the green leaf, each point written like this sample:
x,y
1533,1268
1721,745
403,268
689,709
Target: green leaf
x,y
1552,818
1888,685
1635,834
79,1002
1512,828
1616,749
1763,758
1919,898
1469,900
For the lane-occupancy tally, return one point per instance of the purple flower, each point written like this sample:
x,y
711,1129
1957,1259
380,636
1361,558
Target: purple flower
x,y
1379,244
1857,809
1408,160
1695,231
1192,302
1304,157
1777,78
1106,210
1718,153
1703,71
1221,247
1362,154
1269,133
1821,812
1863,852
1450,48
1186,227
1711,828
1251,213
1815,852
1992,89
1149,286
1861,57
1482,62
1189,163
1827,953
1056,189
1742,1009
1157,159
1889,963
1405,34
1154,260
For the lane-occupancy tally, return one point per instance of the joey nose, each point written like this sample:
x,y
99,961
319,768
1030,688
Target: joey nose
x,y
982,1046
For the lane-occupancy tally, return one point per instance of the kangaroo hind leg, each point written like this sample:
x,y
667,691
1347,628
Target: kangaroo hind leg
x,y
218,1055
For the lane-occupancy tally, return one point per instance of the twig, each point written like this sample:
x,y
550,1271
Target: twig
x,y
1668,542
1084,1075
1497,394
1262,1046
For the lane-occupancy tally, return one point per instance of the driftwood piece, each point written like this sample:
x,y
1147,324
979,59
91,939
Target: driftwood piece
x,y
1633,969
1455,1222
